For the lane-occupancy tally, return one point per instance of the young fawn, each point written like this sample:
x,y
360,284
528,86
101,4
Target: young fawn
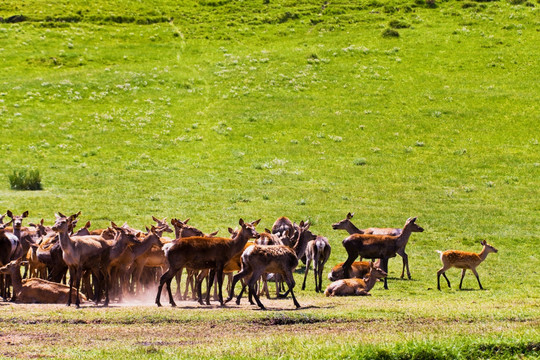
x,y
463,260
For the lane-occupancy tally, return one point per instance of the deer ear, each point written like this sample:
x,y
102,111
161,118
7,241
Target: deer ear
x,y
155,219
267,230
25,214
186,221
9,213
483,242
256,222
230,230
241,222
87,224
77,214
41,222
349,216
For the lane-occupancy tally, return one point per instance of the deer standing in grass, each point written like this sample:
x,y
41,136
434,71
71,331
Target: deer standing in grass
x,y
35,290
347,225
278,259
199,253
318,252
354,286
463,260
378,246
79,253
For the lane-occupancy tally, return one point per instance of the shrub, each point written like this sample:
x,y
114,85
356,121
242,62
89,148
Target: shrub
x,y
25,180
360,162
398,24
388,33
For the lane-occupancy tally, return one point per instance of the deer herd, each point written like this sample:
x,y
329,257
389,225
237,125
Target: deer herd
x,y
119,261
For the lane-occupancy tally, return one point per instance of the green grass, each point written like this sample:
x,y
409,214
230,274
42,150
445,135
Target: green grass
x,y
217,110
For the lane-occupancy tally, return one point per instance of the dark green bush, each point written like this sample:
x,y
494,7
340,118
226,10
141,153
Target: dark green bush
x,y
25,180
388,33
398,24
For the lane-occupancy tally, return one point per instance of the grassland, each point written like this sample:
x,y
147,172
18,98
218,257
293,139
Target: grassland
x,y
217,110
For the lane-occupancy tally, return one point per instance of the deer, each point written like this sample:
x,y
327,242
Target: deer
x,y
200,252
463,260
317,251
79,253
359,269
354,286
9,245
35,290
285,229
348,226
279,259
378,246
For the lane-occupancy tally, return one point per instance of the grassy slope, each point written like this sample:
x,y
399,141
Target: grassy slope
x,y
243,110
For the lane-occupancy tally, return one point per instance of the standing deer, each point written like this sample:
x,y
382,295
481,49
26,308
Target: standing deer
x,y
79,253
378,246
354,286
279,259
347,225
463,260
318,251
201,253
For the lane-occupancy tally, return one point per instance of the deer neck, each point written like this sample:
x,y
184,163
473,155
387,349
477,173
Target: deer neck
x,y
65,241
145,245
239,241
118,248
370,282
352,229
301,245
403,238
16,281
483,254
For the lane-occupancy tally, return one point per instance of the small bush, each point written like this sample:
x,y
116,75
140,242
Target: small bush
x,y
25,180
388,33
398,24
360,162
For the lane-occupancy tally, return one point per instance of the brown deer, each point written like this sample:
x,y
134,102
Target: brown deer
x,y
278,259
79,253
201,253
378,246
348,226
463,260
359,269
285,229
354,286
36,290
9,245
317,251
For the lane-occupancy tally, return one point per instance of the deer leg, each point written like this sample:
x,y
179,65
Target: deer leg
x,y
219,273
251,284
209,282
462,276
306,273
405,259
291,283
162,280
178,277
78,285
384,267
477,278
348,263
320,271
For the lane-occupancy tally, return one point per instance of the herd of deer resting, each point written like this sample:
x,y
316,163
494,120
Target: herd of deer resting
x,y
119,260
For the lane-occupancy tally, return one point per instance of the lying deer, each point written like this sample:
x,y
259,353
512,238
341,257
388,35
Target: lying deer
x,y
346,287
463,260
36,290
359,269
